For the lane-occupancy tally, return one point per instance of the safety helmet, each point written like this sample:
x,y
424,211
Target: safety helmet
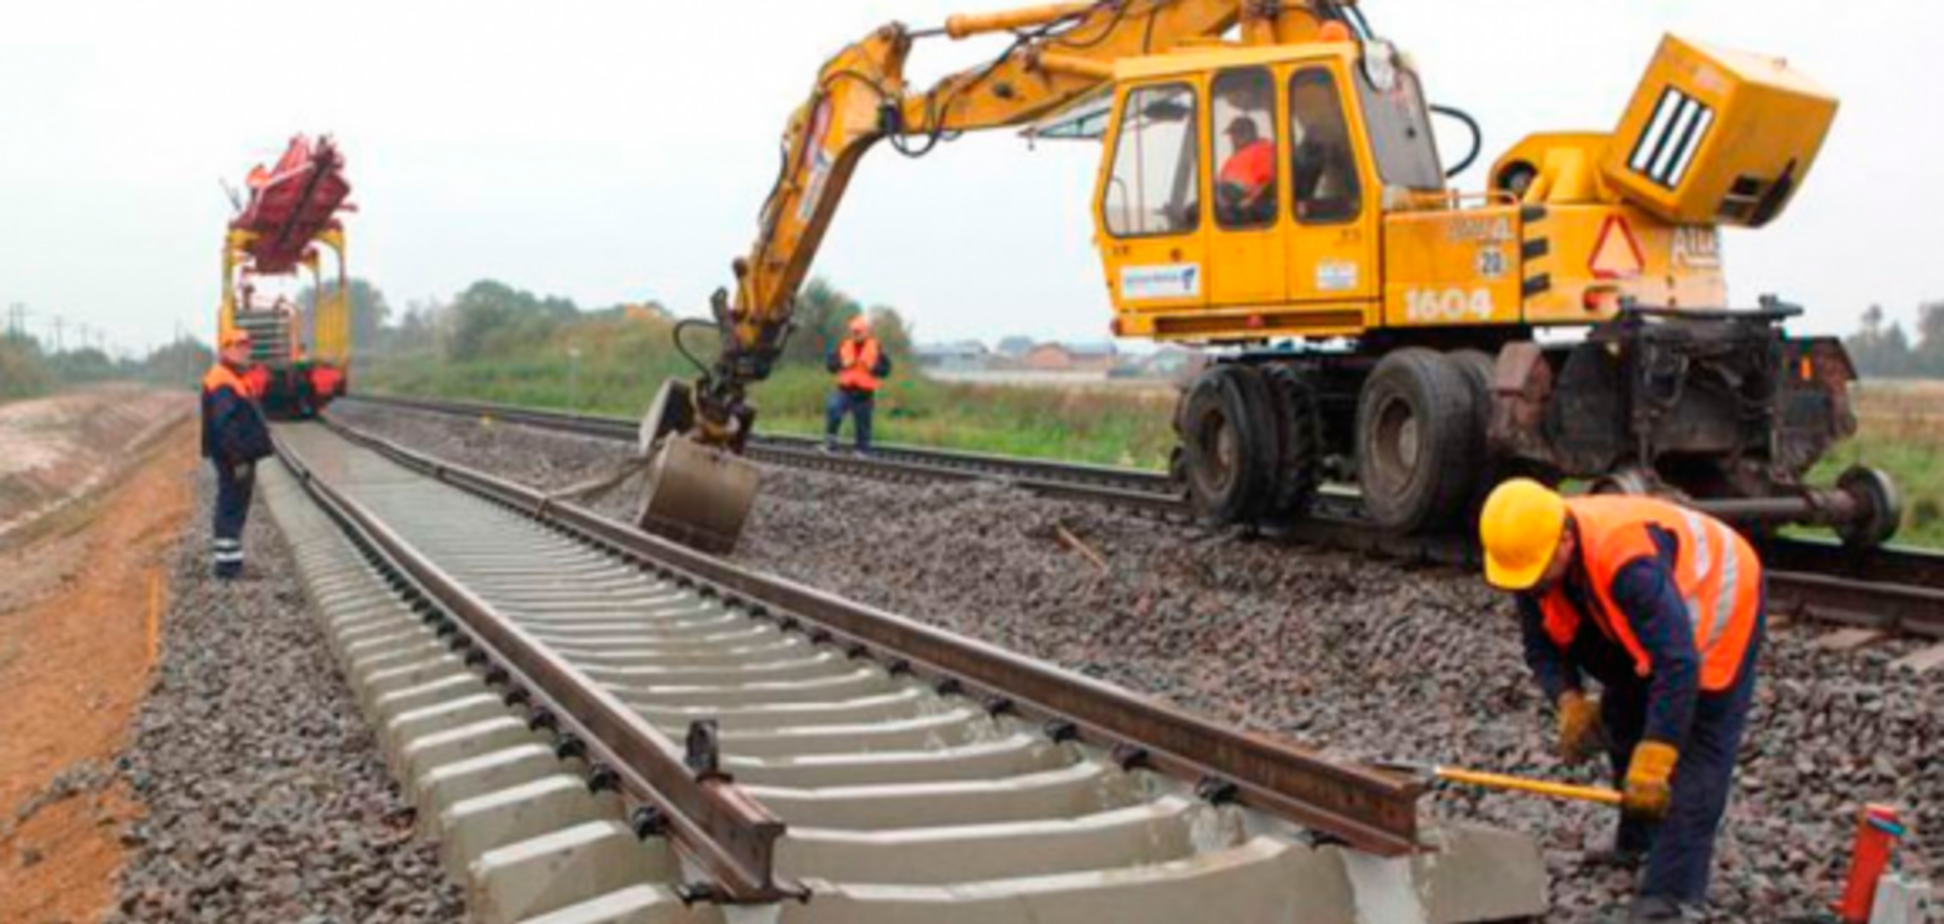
x,y
235,336
860,325
1520,529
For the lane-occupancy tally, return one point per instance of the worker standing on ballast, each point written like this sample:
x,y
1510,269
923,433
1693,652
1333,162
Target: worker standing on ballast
x,y
234,438
1664,607
860,364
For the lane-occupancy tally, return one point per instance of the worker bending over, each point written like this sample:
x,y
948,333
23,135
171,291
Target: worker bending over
x,y
860,364
1664,607
234,437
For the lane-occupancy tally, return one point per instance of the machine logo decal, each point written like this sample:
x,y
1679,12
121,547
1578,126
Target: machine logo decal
x,y
1617,255
1337,276
1174,280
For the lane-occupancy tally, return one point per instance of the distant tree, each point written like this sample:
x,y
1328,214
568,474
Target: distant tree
x,y
1877,350
492,318
822,314
1928,354
23,373
180,363
893,331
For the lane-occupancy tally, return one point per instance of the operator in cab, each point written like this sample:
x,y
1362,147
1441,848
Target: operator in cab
x,y
1664,608
234,439
860,364
1246,187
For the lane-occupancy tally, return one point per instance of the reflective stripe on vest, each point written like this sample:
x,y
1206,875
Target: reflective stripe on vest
x,y
1715,572
854,365
221,376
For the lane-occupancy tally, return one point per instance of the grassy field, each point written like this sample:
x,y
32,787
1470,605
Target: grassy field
x,y
619,370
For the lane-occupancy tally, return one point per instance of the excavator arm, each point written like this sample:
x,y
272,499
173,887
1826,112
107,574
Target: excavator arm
x,y
699,491
1060,54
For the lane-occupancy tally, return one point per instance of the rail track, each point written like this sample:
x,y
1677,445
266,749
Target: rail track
x,y
1893,591
600,725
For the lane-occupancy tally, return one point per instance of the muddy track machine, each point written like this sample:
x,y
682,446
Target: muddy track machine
x,y
301,354
1270,186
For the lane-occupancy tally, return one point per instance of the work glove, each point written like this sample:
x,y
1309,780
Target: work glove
x,y
1650,781
1579,727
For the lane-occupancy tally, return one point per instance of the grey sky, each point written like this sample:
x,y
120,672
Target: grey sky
x,y
613,151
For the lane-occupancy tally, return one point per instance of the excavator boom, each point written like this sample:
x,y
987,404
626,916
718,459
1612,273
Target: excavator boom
x,y
1059,54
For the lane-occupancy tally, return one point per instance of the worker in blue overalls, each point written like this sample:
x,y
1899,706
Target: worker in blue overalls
x,y
234,438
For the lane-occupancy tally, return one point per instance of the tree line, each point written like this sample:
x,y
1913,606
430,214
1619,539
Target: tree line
x,y
1885,351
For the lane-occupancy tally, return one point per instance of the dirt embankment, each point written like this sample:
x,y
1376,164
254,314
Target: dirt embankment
x,y
108,474
55,450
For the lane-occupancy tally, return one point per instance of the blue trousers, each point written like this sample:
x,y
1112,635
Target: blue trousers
x,y
234,485
1680,848
856,404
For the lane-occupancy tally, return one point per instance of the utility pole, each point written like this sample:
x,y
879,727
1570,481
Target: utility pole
x,y
58,323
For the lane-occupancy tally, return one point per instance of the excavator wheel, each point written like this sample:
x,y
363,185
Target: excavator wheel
x,y
1416,441
1479,368
1299,465
1222,451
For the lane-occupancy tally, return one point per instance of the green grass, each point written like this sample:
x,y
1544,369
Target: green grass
x,y
1917,467
1098,426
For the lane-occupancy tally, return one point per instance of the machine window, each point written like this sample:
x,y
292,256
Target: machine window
x,y
1155,184
1244,129
1400,134
1323,162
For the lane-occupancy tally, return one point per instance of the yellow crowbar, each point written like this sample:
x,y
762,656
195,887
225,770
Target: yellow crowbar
x,y
1596,794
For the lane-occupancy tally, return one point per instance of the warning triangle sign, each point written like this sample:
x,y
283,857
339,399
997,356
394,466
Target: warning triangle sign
x,y
1617,254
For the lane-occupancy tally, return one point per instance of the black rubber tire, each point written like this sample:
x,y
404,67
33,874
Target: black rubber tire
x,y
1479,369
1223,451
1299,466
1416,439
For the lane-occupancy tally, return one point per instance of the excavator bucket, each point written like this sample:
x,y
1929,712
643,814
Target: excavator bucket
x,y
696,494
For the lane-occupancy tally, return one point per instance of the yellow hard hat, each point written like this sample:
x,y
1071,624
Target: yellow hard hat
x,y
1520,529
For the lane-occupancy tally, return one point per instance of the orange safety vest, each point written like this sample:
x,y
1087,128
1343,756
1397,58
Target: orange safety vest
x,y
1253,168
854,364
222,376
1716,574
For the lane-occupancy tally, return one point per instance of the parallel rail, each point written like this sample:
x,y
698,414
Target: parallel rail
x,y
723,829
1894,590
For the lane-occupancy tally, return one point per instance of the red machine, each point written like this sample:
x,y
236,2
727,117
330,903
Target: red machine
x,y
303,352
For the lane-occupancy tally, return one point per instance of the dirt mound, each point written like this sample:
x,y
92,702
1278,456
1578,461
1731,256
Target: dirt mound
x,y
53,450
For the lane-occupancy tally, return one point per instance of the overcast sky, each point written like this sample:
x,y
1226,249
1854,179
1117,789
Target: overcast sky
x,y
611,151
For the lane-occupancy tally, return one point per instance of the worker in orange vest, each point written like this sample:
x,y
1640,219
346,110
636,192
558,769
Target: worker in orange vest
x,y
860,364
1664,607
1246,187
234,438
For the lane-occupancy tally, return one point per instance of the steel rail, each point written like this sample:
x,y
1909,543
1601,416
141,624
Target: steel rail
x,y
1897,590
1368,809
714,822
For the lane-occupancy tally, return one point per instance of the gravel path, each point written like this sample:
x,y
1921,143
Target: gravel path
x,y
267,799
1363,659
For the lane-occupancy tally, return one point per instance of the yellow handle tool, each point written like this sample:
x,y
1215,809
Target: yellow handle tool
x,y
1596,794
1599,794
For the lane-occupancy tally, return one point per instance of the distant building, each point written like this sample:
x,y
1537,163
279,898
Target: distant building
x,y
963,356
1015,347
1071,357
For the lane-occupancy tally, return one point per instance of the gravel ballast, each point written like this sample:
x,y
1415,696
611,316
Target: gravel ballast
x,y
1363,659
266,797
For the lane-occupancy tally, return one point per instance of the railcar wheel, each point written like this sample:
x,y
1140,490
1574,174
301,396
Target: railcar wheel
x,y
1222,450
1882,507
1416,442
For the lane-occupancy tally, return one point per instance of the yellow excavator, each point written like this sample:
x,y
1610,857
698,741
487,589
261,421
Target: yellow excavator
x,y
1271,187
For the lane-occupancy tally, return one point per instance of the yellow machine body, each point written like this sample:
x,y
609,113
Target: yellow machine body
x,y
1724,139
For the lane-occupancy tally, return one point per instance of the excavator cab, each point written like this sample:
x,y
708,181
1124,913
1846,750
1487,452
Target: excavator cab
x,y
1241,190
